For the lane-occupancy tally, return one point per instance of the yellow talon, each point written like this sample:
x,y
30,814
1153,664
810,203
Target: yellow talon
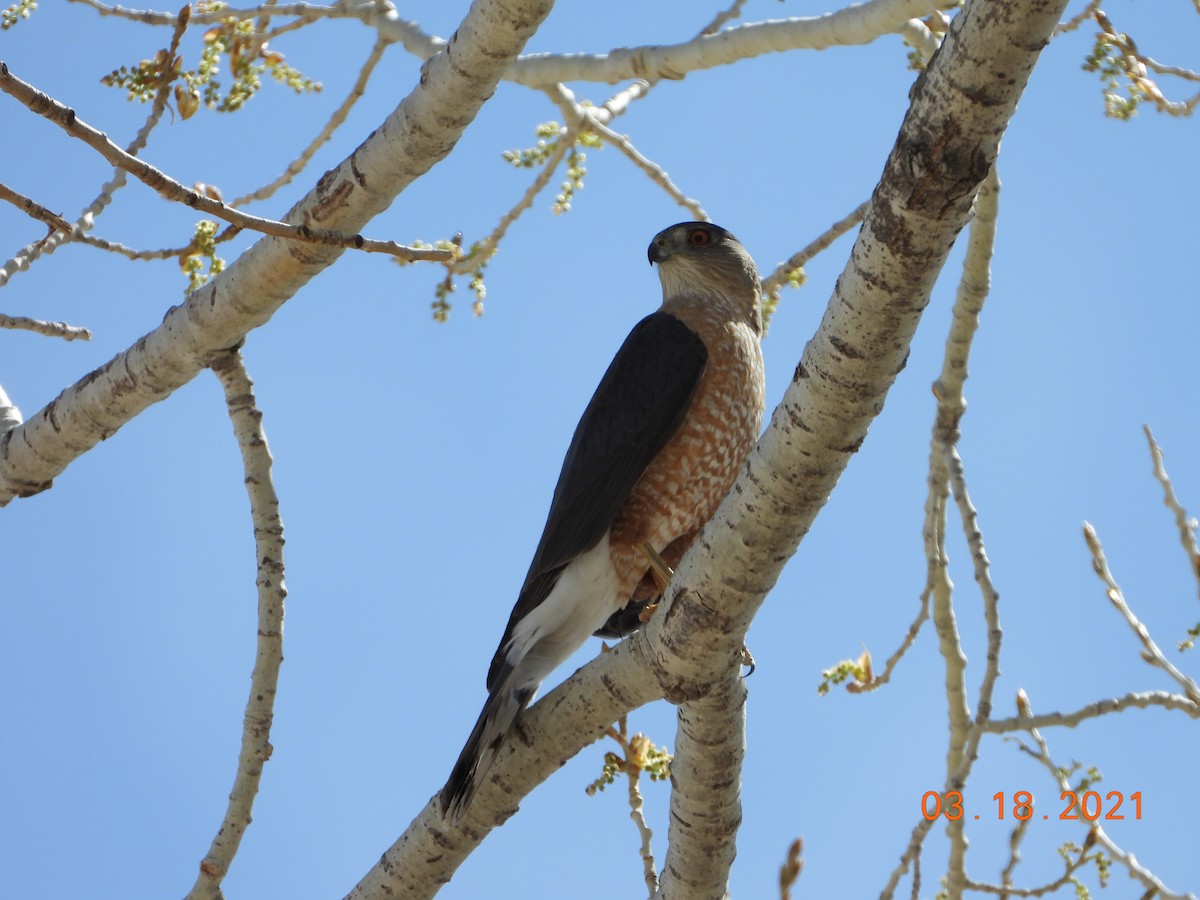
x,y
661,571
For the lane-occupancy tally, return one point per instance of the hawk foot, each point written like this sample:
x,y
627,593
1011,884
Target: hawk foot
x,y
748,661
661,572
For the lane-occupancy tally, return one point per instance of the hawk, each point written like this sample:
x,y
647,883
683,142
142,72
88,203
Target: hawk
x,y
657,449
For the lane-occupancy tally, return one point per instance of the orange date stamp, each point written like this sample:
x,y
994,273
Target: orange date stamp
x,y
1088,806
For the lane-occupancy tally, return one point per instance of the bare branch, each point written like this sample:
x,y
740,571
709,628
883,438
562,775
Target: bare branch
x,y
1007,890
143,255
637,812
35,210
1075,21
654,171
878,681
854,25
167,187
296,166
85,221
1143,700
725,15
49,329
1096,833
1150,651
1183,522
772,283
268,550
486,248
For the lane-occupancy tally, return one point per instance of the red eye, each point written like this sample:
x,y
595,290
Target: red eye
x,y
699,238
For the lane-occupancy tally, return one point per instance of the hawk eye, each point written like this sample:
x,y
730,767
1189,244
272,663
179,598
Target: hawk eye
x,y
699,238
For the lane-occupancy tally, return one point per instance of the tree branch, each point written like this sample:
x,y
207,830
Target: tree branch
x,y
296,166
49,329
706,783
1184,523
1150,651
268,551
422,130
1097,835
1142,700
854,25
84,223
171,189
32,208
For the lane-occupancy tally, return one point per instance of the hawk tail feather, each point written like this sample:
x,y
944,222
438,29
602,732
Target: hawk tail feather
x,y
494,723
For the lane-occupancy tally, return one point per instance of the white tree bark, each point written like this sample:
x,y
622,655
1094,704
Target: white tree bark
x,y
421,131
853,25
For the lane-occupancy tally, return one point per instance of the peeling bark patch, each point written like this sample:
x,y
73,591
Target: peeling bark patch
x,y
441,840
332,201
793,414
851,448
846,349
356,171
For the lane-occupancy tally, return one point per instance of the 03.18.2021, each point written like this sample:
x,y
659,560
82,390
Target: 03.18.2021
x,y
1089,806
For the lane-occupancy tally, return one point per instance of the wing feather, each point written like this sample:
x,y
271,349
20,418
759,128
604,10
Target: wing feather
x,y
639,405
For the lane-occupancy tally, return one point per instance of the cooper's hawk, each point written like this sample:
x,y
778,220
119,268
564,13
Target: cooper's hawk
x,y
657,449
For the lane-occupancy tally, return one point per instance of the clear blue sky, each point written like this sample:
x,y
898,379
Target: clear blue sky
x,y
415,463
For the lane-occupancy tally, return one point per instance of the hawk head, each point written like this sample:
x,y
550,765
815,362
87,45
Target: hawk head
x,y
699,258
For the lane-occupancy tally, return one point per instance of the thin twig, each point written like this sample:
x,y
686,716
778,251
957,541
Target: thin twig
x,y
1096,834
1140,700
88,217
1135,65
129,253
773,282
1183,522
1150,651
167,187
302,10
296,166
487,247
49,329
1007,890
1075,21
1014,856
726,15
653,170
637,812
268,546
35,210
914,629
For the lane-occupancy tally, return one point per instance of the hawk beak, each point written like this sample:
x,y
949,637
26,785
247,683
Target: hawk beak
x,y
655,253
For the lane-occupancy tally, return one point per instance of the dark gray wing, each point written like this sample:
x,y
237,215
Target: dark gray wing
x,y
638,407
